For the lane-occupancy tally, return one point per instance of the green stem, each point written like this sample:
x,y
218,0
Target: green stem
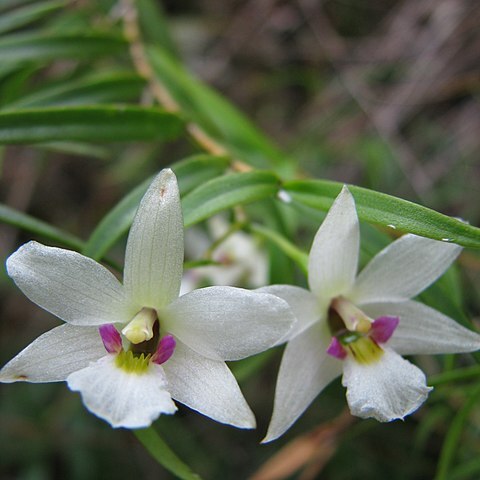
x,y
163,454
301,258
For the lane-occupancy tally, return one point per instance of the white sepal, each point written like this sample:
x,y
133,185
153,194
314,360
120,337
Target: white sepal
x,y
73,287
388,389
333,259
305,371
208,387
122,398
403,269
424,330
154,255
55,355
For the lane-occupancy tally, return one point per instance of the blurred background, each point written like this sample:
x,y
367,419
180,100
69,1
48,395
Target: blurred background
x,y
378,93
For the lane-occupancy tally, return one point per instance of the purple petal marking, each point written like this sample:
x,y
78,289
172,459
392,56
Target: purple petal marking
x,y
165,349
335,349
383,328
111,338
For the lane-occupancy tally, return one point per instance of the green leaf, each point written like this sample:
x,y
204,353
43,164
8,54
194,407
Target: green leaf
x,y
190,172
155,26
215,115
388,211
90,124
452,439
163,454
197,169
23,16
26,222
466,373
77,148
227,192
114,87
41,47
115,224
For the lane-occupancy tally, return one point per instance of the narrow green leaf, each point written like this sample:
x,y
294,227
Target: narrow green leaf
x,y
41,47
382,209
115,224
301,258
466,471
90,124
197,169
26,222
467,373
452,440
190,172
114,87
23,16
155,26
163,454
77,148
216,115
226,192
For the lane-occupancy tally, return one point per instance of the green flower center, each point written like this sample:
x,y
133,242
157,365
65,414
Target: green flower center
x,y
363,348
131,363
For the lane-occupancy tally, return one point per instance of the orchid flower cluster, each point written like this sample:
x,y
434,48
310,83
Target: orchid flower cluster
x,y
133,349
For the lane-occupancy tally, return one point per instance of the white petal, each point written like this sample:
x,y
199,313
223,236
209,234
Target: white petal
x,y
303,303
424,330
55,355
227,323
154,255
403,269
386,390
73,287
305,371
123,399
208,387
333,260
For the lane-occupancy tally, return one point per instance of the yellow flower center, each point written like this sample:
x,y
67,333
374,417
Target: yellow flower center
x,y
352,328
132,364
362,348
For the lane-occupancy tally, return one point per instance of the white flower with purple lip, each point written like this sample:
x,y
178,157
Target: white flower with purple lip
x,y
361,325
129,349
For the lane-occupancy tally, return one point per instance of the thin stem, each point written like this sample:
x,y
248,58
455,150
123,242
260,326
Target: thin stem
x,y
158,90
163,454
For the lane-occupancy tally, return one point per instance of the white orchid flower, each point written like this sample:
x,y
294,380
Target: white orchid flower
x,y
361,325
169,347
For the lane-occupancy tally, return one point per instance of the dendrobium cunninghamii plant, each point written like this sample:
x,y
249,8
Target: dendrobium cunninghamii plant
x,y
129,349
361,325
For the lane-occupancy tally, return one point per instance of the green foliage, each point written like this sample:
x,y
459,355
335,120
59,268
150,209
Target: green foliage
x,y
93,124
381,209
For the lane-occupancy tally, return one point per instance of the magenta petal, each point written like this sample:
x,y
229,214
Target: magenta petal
x,y
111,338
335,349
165,349
383,328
